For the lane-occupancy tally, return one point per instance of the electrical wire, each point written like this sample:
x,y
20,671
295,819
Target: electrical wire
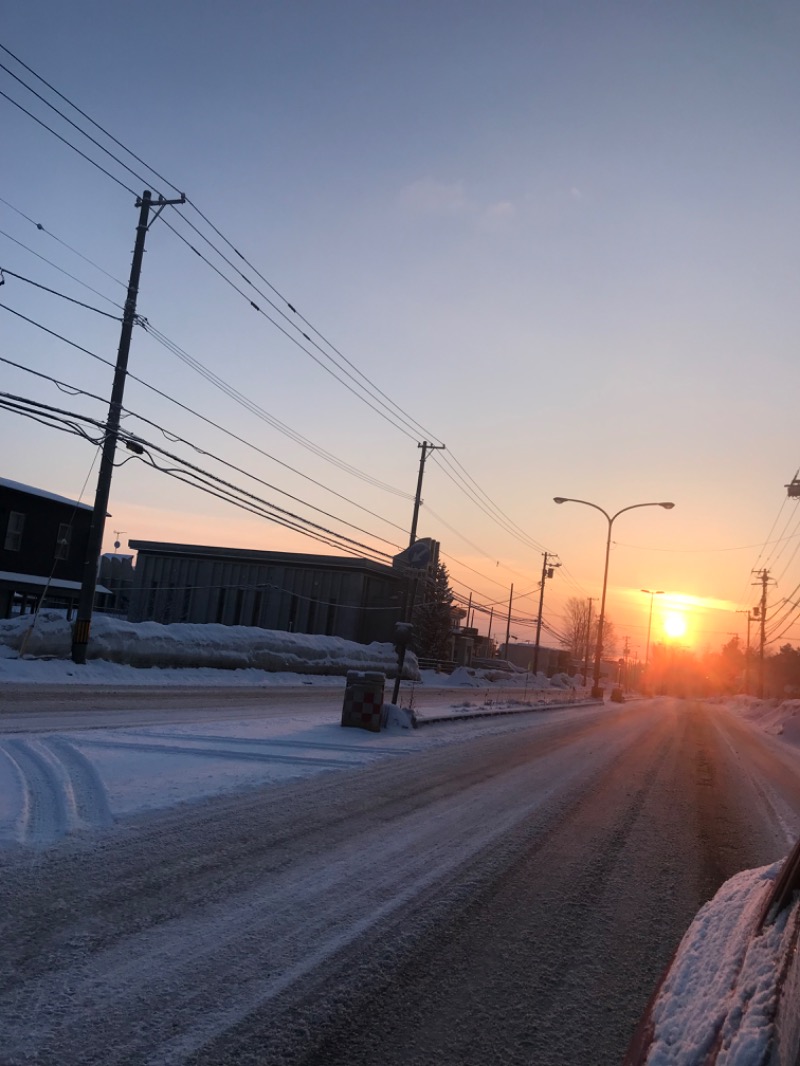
x,y
189,410
43,229
449,459
71,420
55,292
359,379
69,144
61,270
176,438
265,416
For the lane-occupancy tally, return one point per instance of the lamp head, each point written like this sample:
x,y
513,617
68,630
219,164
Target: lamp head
x,y
559,499
667,506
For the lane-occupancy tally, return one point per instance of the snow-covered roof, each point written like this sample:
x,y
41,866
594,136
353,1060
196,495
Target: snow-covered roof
x,y
29,490
18,580
208,551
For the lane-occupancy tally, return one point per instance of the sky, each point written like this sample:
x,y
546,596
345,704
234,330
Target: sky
x,y
558,238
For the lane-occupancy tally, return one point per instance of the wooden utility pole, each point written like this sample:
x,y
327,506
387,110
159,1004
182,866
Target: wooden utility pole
x,y
751,617
588,639
83,621
760,612
508,624
547,571
426,447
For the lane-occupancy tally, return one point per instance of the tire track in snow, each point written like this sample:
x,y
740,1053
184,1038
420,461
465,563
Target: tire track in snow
x,y
263,742
60,790
86,792
360,755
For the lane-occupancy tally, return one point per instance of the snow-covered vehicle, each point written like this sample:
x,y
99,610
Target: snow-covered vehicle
x,y
731,994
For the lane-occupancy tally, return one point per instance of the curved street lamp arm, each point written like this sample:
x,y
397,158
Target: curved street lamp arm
x,y
569,499
633,507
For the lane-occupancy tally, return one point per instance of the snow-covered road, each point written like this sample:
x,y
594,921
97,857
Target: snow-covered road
x,y
508,893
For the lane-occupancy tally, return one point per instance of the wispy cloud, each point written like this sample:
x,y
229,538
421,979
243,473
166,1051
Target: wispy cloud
x,y
498,216
428,196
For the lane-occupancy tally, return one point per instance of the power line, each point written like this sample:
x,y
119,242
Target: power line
x,y
69,144
176,438
44,229
449,459
61,270
359,377
191,474
370,389
395,408
178,403
88,118
388,417
54,292
259,411
471,495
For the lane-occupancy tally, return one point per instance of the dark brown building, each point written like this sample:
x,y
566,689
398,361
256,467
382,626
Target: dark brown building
x,y
43,539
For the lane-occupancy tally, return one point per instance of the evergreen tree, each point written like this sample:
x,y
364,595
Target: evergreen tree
x,y
433,615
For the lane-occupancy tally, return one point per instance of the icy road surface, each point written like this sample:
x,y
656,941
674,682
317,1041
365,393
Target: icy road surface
x,y
504,891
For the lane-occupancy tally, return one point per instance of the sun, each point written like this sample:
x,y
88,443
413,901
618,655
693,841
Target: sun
x,y
674,624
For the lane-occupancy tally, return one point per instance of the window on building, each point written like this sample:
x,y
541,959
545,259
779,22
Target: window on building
x,y
221,605
63,540
255,618
16,524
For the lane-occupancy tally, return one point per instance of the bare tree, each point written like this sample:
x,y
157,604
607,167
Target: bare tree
x,y
576,614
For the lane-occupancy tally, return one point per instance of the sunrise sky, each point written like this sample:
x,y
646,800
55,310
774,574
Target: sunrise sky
x,y
560,238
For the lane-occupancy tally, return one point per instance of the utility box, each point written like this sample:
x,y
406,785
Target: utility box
x,y
363,700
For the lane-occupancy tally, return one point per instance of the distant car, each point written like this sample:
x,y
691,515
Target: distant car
x,y
731,993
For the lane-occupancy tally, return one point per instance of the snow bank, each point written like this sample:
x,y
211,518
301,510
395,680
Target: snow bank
x,y
147,644
780,718
720,993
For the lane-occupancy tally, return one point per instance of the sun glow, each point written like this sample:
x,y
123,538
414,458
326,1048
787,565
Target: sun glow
x,y
674,624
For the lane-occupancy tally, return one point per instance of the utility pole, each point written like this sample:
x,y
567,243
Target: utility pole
x,y
426,447
83,621
508,624
547,571
625,653
760,613
588,638
751,617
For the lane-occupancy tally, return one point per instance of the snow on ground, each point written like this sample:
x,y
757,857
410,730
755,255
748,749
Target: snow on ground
x,y
183,644
77,781
55,783
777,717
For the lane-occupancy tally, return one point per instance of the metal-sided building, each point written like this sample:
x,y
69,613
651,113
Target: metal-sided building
x,y
356,599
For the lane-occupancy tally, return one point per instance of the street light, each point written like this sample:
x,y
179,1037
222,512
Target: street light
x,y
647,592
596,690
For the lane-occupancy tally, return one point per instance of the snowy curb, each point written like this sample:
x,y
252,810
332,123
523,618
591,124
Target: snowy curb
x,y
435,719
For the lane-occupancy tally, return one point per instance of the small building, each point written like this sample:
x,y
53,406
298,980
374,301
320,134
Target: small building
x,y
550,660
356,599
116,575
43,543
